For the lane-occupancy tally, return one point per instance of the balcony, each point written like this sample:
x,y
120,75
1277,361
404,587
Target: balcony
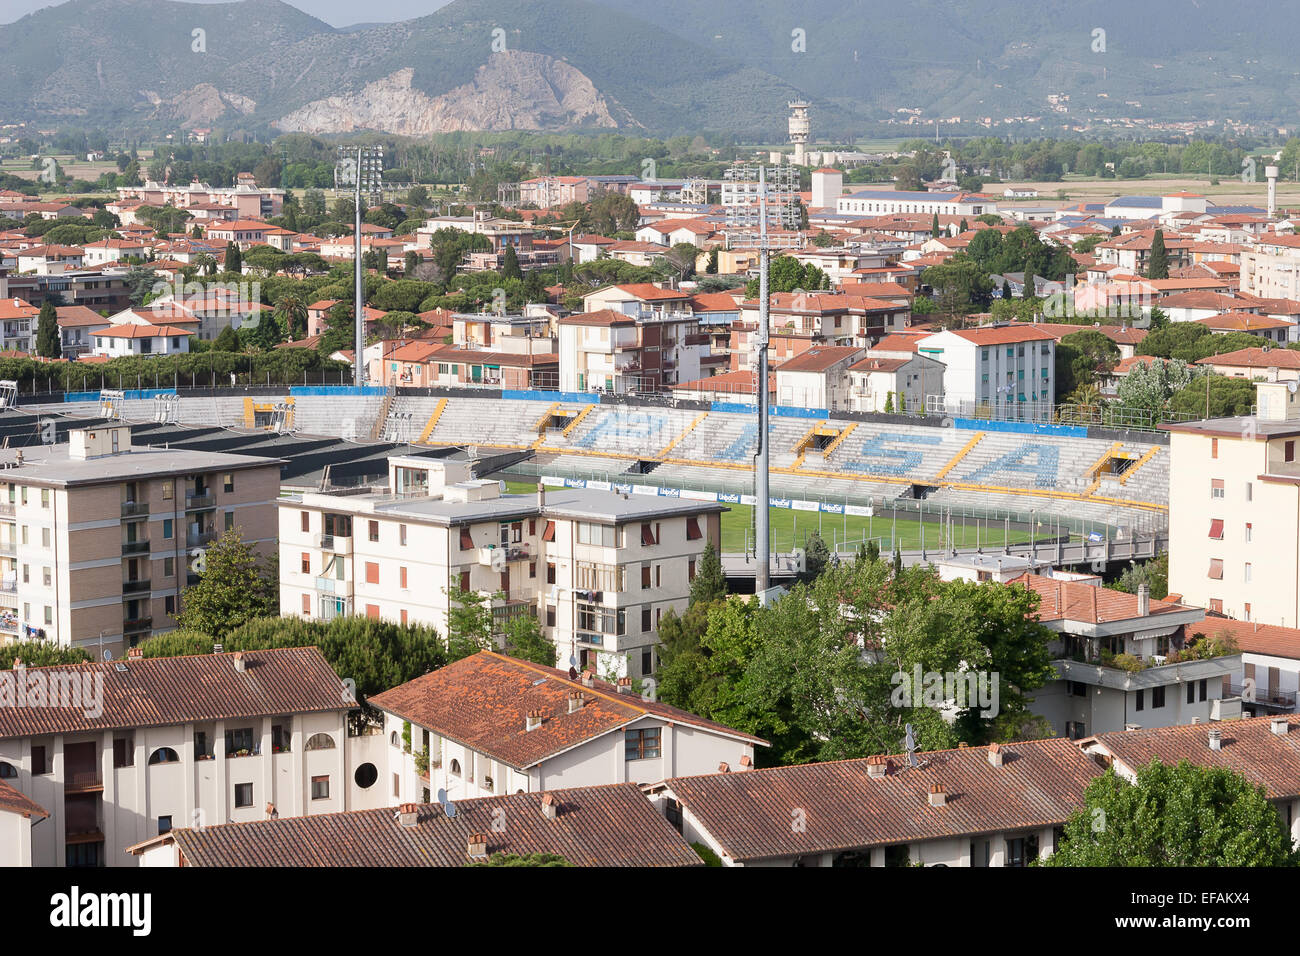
x,y
137,625
136,586
132,509
135,547
199,539
6,509
499,556
337,543
200,502
1153,672
83,781
1278,700
8,548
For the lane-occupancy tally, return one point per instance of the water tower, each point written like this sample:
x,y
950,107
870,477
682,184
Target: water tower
x,y
1270,173
799,128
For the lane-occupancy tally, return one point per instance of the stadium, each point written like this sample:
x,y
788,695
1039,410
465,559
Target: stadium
x,y
923,486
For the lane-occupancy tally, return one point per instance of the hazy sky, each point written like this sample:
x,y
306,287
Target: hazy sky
x,y
339,13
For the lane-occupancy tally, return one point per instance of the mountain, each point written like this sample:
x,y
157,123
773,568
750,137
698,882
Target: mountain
x,y
671,67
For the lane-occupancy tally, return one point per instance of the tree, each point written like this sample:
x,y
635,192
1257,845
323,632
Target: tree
x,y
1216,397
234,258
291,312
524,640
710,583
934,226
469,621
1158,258
1083,358
48,342
234,587
1154,574
526,859
1006,290
1183,815
816,556
41,654
1152,386
510,265
227,340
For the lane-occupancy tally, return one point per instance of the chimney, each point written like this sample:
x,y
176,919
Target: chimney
x,y
575,701
587,679
239,662
271,812
541,495
217,648
1279,726
1144,600
18,456
1216,739
723,768
477,848
876,767
534,720
625,685
550,806
995,755
134,653
746,763
938,796
408,814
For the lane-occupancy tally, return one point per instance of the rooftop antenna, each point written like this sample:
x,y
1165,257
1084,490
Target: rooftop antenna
x,y
909,746
448,807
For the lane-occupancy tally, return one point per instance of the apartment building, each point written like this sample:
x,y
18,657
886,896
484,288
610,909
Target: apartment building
x,y
598,569
490,724
1234,506
1271,269
1124,660
98,538
994,806
998,367
148,744
883,201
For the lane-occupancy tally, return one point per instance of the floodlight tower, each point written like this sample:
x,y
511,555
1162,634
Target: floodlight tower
x,y
762,557
363,168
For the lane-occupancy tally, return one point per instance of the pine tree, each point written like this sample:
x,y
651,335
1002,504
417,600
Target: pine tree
x,y
710,584
48,343
510,265
1006,290
234,258
934,226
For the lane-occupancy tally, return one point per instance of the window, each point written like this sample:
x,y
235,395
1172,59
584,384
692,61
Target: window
x,y
239,740
641,744
532,569
464,580
466,540
1248,529
647,661
1288,454
550,615
1216,529
165,824
645,576
1204,688
1216,605
1191,693
46,577
372,610
167,528
549,533
230,521
1216,569
645,619
647,535
374,530
201,748
372,572
169,490
455,768
401,574
1078,689
1141,700
243,795
1022,851
164,755
550,572
306,562
305,519
693,532
320,742
1214,448
397,785
45,538
690,570
49,615
1216,487
306,605
600,535
320,788
169,567
39,763
401,535
1157,698
123,752
1249,491
1247,572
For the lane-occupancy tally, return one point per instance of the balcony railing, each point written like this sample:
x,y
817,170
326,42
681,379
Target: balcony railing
x,y
137,625
135,547
199,502
81,780
338,543
8,547
134,508
1264,697
136,586
193,540
6,508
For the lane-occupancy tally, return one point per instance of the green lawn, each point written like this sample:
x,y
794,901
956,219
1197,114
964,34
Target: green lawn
x,y
791,528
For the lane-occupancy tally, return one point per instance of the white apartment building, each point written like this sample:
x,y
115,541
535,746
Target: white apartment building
x,y
1234,510
141,745
876,382
998,367
598,569
1271,270
879,202
490,724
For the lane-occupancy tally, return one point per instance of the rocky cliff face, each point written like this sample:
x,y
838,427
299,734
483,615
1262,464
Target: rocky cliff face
x,y
512,90
198,106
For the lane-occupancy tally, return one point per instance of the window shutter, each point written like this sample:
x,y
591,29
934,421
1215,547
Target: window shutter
x,y
693,529
1216,568
549,533
466,540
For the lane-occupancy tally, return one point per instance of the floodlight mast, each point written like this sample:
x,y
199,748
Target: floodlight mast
x,y
358,291
762,538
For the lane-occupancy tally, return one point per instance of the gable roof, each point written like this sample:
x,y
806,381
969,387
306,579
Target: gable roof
x,y
483,701
612,825
12,801
1061,600
1255,358
1039,784
154,692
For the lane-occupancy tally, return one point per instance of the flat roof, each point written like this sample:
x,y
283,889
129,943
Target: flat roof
x,y
53,465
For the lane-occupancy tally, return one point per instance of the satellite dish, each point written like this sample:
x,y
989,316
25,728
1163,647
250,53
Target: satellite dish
x,y
1292,386
448,807
108,655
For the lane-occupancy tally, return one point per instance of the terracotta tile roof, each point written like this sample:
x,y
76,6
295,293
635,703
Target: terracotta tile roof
x,y
1089,603
1243,322
599,317
896,342
740,381
1200,300
1004,335
873,364
129,330
1255,358
876,290
17,309
613,825
1039,784
819,358
1248,747
1123,366
1253,637
646,290
153,692
75,316
11,801
483,702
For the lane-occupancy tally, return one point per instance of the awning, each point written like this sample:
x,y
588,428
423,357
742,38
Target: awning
x,y
1216,529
